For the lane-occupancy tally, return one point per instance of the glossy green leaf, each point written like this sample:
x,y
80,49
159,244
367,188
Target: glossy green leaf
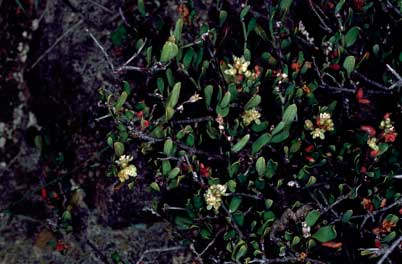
x,y
174,95
234,204
241,144
253,102
349,64
312,217
118,148
120,101
325,234
208,91
225,100
290,114
351,36
262,141
261,166
169,51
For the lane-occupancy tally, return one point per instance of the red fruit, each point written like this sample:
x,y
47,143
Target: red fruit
x,y
140,114
377,243
145,123
332,244
369,129
387,115
363,170
390,137
310,159
60,246
335,67
374,153
309,148
359,97
43,193
204,171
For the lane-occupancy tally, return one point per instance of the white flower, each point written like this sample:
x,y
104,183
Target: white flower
x,y
318,133
250,116
127,172
306,230
372,143
124,160
213,196
239,67
196,97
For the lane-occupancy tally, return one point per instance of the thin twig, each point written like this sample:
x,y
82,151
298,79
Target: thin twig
x,y
101,48
157,250
104,8
134,56
58,40
389,250
232,222
324,25
369,81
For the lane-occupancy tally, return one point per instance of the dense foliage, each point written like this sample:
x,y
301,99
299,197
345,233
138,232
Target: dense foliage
x,y
270,129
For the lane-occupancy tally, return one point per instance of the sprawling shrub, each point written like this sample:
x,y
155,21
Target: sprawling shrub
x,y
270,129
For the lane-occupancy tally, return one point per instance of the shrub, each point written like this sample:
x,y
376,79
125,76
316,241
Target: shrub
x,y
269,129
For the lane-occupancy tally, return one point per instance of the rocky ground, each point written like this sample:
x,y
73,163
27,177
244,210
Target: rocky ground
x,y
57,204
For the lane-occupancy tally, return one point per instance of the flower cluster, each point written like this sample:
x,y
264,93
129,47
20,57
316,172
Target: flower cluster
x,y
323,123
239,67
305,33
213,196
127,170
389,133
250,116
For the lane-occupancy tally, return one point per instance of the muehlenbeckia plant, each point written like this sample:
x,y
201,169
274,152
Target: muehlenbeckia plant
x,y
250,116
127,170
322,125
239,67
213,196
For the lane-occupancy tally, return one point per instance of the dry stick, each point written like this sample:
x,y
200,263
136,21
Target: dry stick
x,y
325,26
157,250
109,61
233,223
285,260
210,244
58,40
134,56
104,8
369,81
389,250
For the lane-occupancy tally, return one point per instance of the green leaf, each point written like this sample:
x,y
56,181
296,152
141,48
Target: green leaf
x,y
244,12
208,91
169,51
141,7
174,95
351,36
312,217
290,114
325,234
263,140
339,6
261,166
285,4
222,17
173,173
120,102
118,148
349,64
234,204
346,216
253,102
241,144
225,100
278,128
155,187
178,30
168,147
169,113
280,137
222,111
